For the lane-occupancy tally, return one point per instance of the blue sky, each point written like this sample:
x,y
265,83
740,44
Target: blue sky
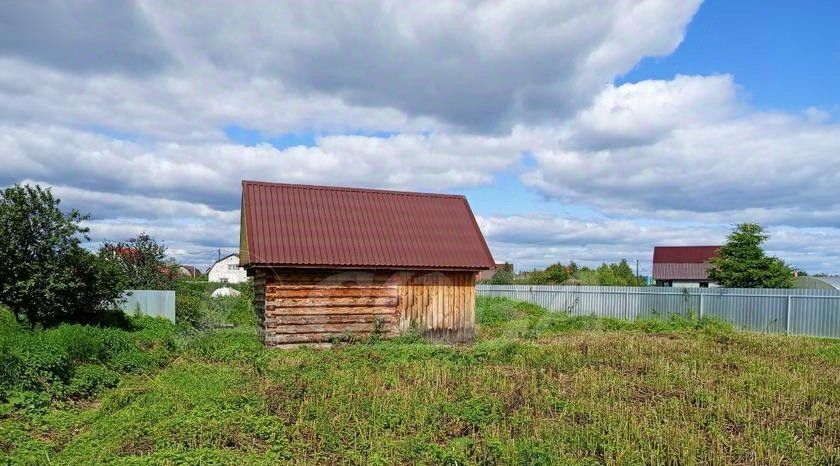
x,y
638,123
786,55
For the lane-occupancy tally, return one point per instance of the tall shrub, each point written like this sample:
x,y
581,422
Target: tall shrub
x,y
46,276
143,262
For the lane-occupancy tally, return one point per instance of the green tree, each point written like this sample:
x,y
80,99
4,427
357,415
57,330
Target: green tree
x,y
503,276
615,274
587,276
624,274
742,263
143,262
556,273
607,276
46,276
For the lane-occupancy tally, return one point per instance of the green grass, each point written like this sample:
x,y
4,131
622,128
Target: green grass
x,y
535,388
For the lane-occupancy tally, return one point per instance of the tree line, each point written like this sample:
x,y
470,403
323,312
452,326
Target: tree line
x,y
616,274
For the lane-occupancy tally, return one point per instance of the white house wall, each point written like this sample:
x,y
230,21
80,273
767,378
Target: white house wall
x,y
227,270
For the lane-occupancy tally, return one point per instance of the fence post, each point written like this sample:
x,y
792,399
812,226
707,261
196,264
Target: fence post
x,y
566,301
626,304
787,315
701,304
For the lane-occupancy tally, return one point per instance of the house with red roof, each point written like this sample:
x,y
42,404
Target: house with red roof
x,y
683,266
334,263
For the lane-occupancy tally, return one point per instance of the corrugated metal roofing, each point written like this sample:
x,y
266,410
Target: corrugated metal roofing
x,y
321,226
683,254
833,281
685,271
818,282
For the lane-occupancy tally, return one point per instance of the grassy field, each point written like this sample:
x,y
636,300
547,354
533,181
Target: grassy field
x,y
534,388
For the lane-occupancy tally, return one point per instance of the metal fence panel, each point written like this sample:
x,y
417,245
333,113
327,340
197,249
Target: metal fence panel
x,y
814,316
796,311
155,303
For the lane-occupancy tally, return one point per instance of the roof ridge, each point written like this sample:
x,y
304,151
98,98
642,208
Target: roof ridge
x,y
692,246
351,189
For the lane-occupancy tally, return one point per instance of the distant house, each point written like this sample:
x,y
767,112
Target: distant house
x,y
189,271
227,270
683,266
332,263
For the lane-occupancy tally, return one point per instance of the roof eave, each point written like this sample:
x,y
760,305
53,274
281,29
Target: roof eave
x,y
366,267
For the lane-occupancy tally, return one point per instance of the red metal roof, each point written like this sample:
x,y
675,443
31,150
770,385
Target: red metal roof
x,y
321,226
682,262
668,271
683,254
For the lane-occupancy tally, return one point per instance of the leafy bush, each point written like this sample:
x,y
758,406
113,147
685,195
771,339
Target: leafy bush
x,y
502,277
90,379
78,360
38,366
242,309
142,263
188,308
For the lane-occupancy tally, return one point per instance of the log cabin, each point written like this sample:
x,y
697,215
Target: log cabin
x,y
332,264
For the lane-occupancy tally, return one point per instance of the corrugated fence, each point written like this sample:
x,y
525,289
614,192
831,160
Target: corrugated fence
x,y
792,311
155,303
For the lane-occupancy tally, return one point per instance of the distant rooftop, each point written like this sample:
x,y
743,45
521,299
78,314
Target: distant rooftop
x,y
682,262
683,254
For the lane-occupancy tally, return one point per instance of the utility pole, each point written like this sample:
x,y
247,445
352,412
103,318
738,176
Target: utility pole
x,y
637,270
220,254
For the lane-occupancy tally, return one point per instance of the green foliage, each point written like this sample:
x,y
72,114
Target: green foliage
x,y
742,263
142,262
74,360
230,345
195,307
90,379
619,274
189,308
502,277
240,309
556,273
47,277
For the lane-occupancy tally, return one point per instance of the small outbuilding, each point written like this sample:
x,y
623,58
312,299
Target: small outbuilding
x,y
333,263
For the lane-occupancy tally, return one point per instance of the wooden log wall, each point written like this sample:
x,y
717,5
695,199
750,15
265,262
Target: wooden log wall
x,y
302,306
318,306
259,295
